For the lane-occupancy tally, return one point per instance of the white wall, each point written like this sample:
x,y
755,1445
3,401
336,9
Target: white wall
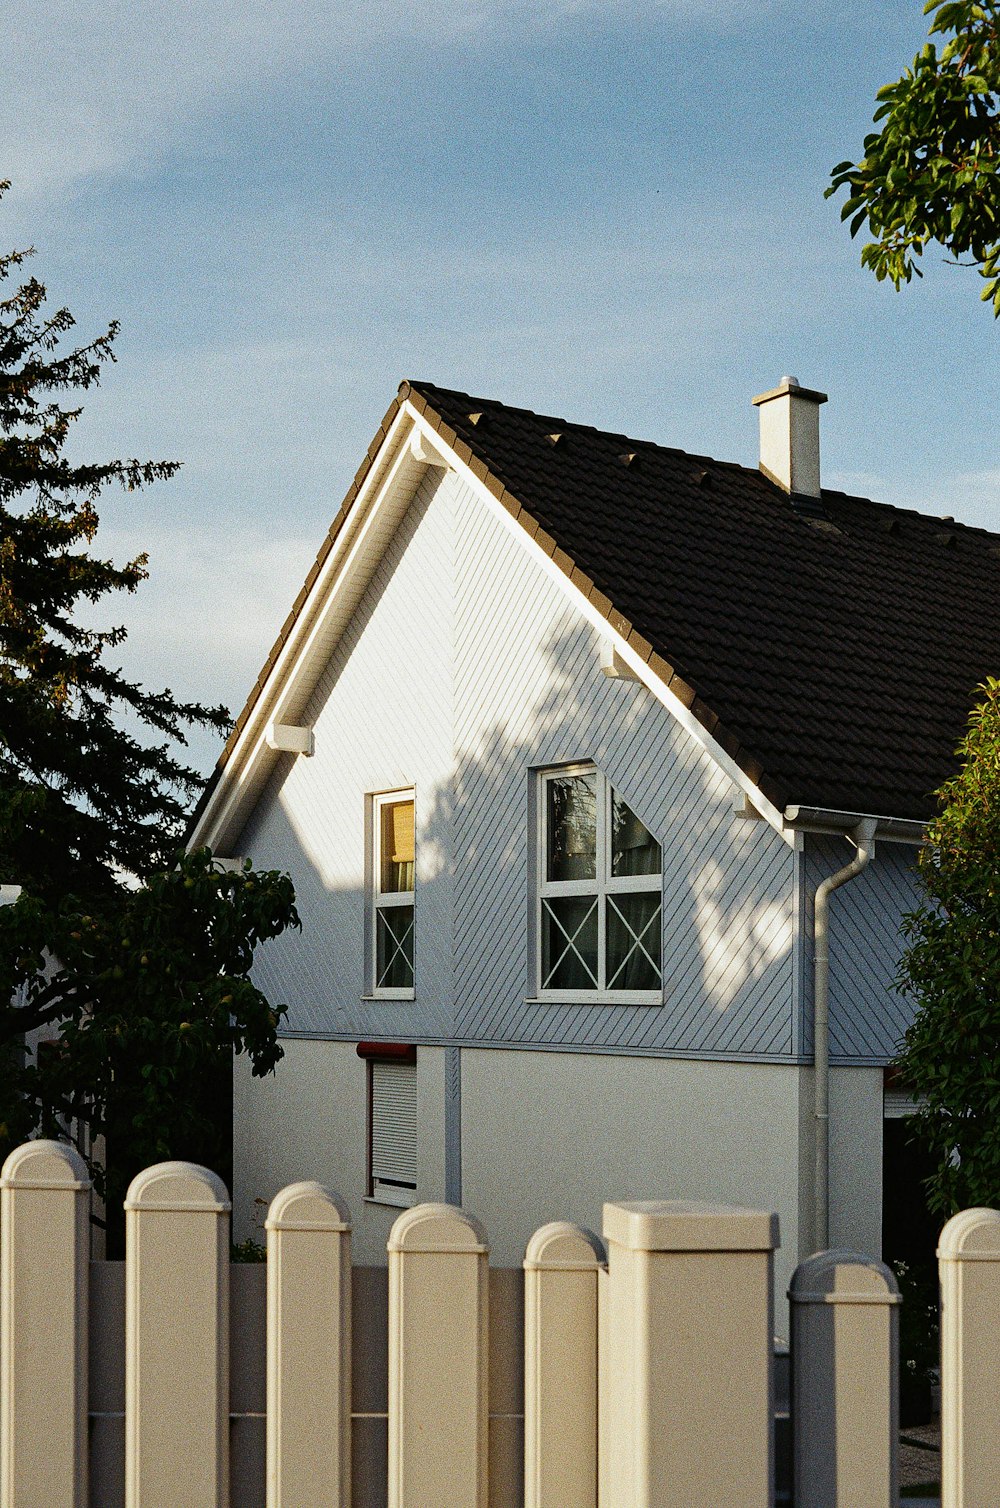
x,y
856,1159
549,1136
309,1120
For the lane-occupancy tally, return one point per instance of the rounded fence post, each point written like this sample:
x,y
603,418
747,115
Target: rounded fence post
x,y
44,1270
561,1267
969,1265
438,1358
177,1338
308,1349
845,1382
687,1356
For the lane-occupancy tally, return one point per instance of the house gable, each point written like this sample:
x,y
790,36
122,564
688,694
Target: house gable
x,y
465,667
406,446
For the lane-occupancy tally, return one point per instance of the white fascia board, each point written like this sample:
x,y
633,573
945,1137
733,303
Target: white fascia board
x,y
382,499
635,663
835,823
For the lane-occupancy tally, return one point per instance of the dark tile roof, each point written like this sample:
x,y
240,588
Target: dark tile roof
x,y
835,656
833,652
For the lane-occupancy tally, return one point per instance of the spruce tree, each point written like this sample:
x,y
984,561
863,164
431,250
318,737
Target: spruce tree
x,y
82,799
131,957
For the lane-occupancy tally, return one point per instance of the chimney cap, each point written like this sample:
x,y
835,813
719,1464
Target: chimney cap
x,y
789,386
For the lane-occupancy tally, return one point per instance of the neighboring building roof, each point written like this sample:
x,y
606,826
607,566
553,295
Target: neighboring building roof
x,y
832,649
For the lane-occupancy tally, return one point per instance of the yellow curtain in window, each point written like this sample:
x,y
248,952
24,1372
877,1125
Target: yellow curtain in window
x,y
399,832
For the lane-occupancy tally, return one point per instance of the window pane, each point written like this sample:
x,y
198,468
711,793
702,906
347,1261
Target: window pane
x,y
634,850
633,941
394,948
569,943
396,847
571,825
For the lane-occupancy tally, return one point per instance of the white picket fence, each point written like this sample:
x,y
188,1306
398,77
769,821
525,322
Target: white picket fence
x,y
636,1376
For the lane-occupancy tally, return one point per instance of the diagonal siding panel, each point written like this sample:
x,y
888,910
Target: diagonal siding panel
x,y
464,669
529,692
867,1016
382,714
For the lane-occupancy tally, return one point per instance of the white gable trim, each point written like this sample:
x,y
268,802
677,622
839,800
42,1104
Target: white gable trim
x,y
410,446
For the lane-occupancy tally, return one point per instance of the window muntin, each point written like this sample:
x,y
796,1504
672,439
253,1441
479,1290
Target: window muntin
x,y
393,895
600,893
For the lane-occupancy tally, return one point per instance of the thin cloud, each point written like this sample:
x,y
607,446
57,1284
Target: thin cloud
x,y
205,619
106,89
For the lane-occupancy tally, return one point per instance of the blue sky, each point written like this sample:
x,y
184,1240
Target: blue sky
x,y
612,211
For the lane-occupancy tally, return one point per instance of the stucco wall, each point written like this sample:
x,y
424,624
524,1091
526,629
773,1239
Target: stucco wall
x,y
549,1135
553,1135
309,1120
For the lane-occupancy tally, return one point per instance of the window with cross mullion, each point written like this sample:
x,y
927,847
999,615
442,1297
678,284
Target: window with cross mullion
x,y
599,893
393,895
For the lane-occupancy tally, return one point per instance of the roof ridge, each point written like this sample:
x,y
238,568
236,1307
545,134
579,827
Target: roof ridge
x,y
429,389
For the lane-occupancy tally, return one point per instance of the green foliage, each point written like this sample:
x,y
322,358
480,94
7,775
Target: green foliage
x,y
247,1251
151,995
951,967
134,959
919,1326
80,795
931,173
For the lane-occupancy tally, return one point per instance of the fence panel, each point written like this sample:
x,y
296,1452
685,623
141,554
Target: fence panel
x,y
969,1260
177,1339
44,1206
308,1349
561,1267
438,1337
107,1384
845,1382
687,1369
247,1384
506,1387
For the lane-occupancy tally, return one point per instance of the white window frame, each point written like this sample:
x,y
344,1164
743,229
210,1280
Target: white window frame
x,y
381,900
603,885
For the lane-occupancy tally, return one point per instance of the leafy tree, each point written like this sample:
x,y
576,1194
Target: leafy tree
x,y
150,991
931,173
951,967
136,960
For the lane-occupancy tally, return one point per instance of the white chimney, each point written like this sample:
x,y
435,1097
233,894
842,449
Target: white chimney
x,y
789,436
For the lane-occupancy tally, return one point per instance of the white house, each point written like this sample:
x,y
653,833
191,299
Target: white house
x,y
560,738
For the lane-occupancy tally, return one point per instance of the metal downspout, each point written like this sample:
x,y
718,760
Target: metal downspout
x,y
863,835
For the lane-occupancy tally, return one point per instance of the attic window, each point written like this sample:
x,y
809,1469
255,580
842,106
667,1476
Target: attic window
x,y
599,893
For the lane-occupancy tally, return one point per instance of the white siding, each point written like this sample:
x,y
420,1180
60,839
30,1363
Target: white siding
x,y
382,715
867,1015
465,668
529,691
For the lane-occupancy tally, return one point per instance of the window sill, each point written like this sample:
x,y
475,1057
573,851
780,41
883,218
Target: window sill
x,y
405,1200
584,997
396,995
